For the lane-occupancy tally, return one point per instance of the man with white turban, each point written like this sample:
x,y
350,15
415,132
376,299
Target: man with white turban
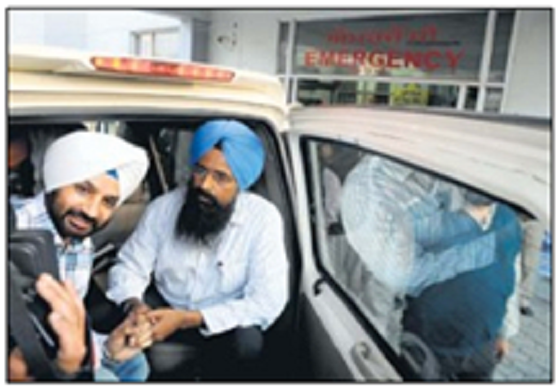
x,y
217,256
87,176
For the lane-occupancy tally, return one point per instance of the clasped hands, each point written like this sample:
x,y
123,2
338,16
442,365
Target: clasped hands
x,y
144,325
132,336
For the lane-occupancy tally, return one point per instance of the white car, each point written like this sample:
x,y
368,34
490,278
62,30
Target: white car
x,y
350,232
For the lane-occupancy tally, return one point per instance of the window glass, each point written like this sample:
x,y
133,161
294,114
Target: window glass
x,y
283,48
166,43
372,92
418,46
472,97
159,43
200,41
316,92
504,25
437,268
493,100
144,44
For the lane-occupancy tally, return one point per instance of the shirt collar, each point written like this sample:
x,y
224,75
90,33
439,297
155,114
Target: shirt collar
x,y
239,214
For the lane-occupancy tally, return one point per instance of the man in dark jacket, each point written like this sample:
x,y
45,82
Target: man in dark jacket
x,y
460,319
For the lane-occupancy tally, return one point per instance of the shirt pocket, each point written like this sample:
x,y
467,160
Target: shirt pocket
x,y
233,277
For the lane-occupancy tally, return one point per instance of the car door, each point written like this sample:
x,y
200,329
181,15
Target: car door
x,y
352,303
341,346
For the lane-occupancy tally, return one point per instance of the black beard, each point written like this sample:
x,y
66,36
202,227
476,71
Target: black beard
x,y
58,220
199,221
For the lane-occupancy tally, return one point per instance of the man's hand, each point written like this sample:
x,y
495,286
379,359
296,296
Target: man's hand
x,y
502,348
130,338
68,320
17,367
166,321
136,306
481,214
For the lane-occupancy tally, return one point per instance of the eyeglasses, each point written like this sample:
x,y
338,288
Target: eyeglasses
x,y
221,178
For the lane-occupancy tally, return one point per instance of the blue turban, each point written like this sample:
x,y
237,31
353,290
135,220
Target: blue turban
x,y
242,148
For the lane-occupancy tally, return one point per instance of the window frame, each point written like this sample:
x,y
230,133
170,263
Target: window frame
x,y
308,145
482,81
136,37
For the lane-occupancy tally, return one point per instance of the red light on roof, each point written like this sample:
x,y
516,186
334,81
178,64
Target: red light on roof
x,y
161,69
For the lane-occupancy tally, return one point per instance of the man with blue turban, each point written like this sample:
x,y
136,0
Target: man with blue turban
x,y
217,257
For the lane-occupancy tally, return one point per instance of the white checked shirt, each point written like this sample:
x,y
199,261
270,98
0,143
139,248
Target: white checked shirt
x,y
240,280
75,259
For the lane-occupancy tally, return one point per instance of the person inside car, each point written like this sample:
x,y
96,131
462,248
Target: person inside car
x,y
443,235
332,187
217,256
20,168
465,319
86,177
533,236
407,210
67,319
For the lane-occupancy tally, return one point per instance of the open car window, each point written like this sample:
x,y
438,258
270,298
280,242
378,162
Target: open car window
x,y
167,144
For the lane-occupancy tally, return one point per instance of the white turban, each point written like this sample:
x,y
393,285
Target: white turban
x,y
376,222
83,155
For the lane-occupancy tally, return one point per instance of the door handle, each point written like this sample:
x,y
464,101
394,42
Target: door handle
x,y
318,285
362,356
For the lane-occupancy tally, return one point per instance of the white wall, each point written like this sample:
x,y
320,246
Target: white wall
x,y
528,86
249,40
25,27
95,30
111,30
528,83
66,28
257,33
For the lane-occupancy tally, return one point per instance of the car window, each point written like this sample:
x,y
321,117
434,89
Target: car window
x,y
441,271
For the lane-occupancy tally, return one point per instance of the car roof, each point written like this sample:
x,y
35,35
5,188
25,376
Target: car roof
x,y
55,79
508,157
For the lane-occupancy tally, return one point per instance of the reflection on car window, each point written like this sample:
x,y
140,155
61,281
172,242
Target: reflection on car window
x,y
440,270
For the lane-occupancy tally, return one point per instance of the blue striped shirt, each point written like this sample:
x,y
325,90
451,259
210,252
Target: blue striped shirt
x,y
406,228
241,279
409,235
75,258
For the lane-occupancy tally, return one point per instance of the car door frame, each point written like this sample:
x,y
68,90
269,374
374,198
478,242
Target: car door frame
x,y
345,345
342,347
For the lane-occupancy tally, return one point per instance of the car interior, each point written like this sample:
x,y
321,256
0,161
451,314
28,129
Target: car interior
x,y
295,341
167,142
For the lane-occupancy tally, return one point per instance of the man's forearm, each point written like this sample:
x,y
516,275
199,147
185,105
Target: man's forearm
x,y
192,319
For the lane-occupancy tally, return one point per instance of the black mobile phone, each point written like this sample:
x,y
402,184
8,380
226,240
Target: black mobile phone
x,y
30,254
37,253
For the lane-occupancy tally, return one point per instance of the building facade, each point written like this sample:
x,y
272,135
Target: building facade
x,y
485,60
